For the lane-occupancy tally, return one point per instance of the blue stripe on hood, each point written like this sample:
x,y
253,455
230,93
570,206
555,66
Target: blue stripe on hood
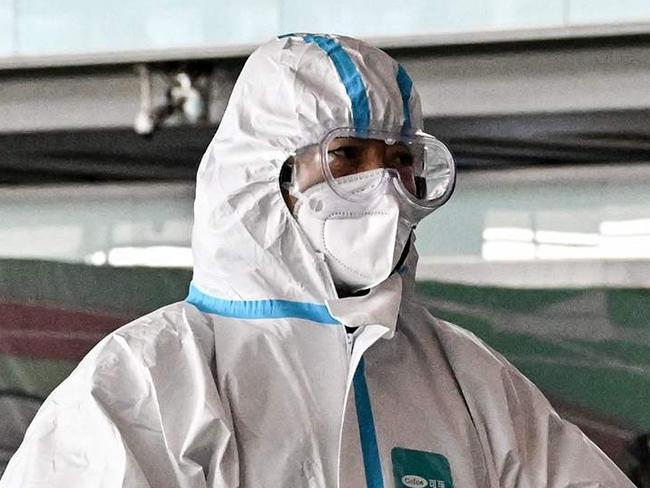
x,y
405,86
350,77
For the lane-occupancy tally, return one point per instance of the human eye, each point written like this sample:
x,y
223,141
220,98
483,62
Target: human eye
x,y
406,158
345,152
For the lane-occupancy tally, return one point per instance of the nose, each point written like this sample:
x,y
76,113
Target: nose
x,y
379,155
375,157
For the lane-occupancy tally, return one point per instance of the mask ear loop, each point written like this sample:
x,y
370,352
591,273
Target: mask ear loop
x,y
287,177
290,194
293,196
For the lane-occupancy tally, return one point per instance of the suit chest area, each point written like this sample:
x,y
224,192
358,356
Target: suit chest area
x,y
407,424
283,389
295,424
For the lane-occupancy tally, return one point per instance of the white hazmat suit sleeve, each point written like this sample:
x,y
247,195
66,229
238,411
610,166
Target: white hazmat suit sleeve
x,y
524,440
115,421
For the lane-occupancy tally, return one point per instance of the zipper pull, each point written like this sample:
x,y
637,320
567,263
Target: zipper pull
x,y
348,342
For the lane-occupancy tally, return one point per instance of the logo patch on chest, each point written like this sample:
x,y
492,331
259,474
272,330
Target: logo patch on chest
x,y
420,469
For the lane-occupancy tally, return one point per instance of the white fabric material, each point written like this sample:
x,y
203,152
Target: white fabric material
x,y
187,399
361,241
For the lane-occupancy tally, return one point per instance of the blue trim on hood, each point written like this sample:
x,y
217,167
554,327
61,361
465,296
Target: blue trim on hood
x,y
350,77
259,309
367,433
405,86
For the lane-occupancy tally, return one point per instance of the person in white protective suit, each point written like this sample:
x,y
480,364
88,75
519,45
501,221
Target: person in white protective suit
x,y
300,358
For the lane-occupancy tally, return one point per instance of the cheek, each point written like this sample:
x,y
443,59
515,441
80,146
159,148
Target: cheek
x,y
309,177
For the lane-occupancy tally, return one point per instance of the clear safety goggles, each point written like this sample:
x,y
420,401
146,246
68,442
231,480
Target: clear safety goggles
x,y
420,167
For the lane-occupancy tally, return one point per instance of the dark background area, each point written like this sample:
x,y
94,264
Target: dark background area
x,y
173,153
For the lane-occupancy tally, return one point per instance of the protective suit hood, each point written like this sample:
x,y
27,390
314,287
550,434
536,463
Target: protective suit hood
x,y
291,91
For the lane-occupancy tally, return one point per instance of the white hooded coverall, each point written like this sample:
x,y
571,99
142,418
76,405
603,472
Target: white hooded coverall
x,y
253,381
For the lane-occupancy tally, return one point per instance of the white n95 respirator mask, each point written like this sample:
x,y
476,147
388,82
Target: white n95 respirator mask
x,y
361,242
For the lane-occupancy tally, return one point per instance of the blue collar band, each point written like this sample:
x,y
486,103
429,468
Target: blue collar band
x,y
259,309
